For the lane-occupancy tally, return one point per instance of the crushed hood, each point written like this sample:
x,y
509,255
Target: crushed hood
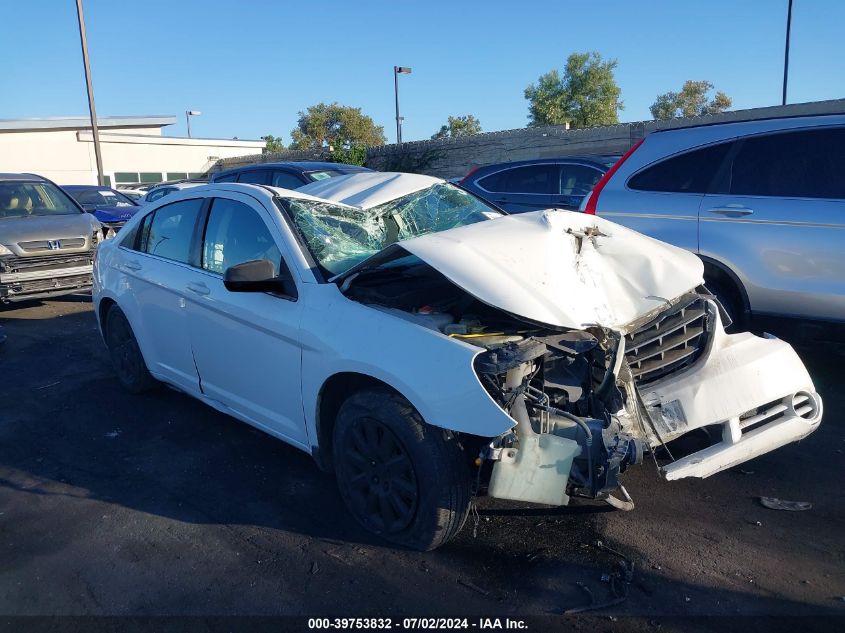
x,y
366,190
561,268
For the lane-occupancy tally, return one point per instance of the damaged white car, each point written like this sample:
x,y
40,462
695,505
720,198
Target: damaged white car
x,y
428,348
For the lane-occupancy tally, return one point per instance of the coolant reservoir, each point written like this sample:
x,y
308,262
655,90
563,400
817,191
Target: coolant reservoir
x,y
536,471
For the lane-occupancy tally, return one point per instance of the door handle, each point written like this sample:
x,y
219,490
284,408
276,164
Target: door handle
x,y
733,211
133,266
199,288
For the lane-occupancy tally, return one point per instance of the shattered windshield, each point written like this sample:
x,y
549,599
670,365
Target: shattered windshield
x,y
340,237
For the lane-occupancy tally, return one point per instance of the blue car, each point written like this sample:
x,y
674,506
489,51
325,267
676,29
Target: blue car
x,y
290,175
543,183
110,207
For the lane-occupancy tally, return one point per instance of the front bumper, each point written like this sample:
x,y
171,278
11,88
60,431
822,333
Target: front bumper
x,y
756,389
37,278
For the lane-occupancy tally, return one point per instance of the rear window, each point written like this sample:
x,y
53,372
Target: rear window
x,y
691,172
226,178
323,174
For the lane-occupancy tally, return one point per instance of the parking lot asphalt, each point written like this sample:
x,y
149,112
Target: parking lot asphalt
x,y
116,504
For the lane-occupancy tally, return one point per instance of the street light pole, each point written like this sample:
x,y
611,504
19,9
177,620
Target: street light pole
x,y
786,50
398,70
95,131
188,115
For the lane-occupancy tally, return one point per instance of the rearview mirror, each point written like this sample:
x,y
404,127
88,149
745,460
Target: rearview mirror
x,y
260,276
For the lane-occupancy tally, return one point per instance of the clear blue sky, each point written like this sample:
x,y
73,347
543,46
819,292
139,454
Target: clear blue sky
x,y
251,65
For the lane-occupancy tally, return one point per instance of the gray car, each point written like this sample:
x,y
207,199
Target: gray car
x,y
47,241
761,202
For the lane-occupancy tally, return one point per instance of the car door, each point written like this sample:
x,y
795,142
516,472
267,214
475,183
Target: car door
x,y
576,180
523,188
777,219
246,344
156,266
662,199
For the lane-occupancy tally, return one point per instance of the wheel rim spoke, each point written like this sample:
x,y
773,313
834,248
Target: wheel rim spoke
x,y
380,476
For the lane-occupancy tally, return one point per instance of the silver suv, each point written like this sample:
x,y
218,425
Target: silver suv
x,y
761,202
47,241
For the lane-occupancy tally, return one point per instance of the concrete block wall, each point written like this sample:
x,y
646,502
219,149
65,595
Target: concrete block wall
x,y
448,158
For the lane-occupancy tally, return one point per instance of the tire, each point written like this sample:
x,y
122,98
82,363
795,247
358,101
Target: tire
x,y
402,479
125,354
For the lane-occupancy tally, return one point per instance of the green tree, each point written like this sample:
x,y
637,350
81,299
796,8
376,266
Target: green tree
x,y
585,94
459,126
273,144
352,155
692,100
337,126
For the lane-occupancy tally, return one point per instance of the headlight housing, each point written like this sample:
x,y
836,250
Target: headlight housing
x,y
5,251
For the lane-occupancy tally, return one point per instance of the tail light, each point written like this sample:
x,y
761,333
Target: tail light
x,y
594,196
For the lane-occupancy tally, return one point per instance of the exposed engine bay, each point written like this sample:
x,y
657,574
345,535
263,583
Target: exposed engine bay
x,y
580,419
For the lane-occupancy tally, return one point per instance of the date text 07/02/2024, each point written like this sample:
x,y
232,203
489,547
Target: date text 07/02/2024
x,y
416,623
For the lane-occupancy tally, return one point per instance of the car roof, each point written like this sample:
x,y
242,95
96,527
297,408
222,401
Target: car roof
x,y
178,185
6,177
600,160
297,166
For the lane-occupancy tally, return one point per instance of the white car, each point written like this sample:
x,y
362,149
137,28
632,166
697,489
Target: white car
x,y
426,347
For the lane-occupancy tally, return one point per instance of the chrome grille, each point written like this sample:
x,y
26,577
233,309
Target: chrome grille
x,y
44,245
47,285
672,341
45,262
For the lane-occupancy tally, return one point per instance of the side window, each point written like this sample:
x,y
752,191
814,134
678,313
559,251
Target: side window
x,y
227,178
804,164
254,176
144,233
529,179
692,172
171,229
235,233
532,179
285,180
129,237
494,182
578,180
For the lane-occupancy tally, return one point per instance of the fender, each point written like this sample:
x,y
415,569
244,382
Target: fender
x,y
444,387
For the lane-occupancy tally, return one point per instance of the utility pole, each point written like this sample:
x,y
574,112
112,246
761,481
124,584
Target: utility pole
x,y
95,131
786,51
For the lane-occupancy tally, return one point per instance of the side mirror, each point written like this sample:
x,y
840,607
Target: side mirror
x,y
260,276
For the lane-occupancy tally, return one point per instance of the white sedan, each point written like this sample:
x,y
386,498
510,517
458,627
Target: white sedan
x,y
427,348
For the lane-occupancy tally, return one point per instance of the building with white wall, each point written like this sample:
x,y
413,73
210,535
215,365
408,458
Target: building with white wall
x,y
133,149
